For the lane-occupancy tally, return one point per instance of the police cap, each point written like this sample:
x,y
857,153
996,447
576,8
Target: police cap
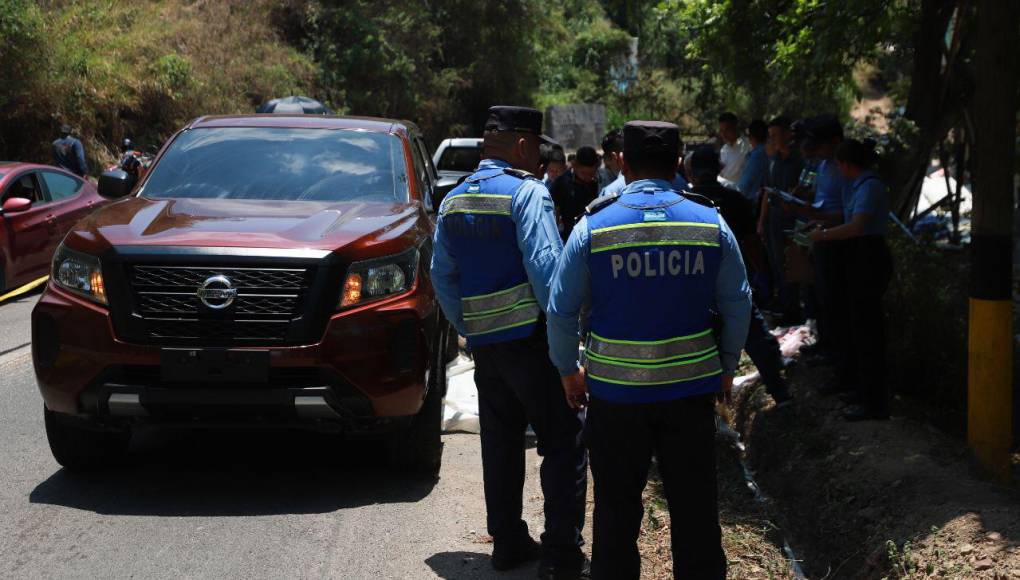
x,y
516,119
641,138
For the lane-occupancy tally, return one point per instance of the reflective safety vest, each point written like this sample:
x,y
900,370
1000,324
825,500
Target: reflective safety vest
x,y
654,260
497,299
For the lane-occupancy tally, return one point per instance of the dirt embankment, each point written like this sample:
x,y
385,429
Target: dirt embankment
x,y
752,541
895,499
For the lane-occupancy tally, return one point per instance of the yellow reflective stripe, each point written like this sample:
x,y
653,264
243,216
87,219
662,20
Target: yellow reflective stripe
x,y
480,203
496,301
652,351
653,374
520,315
654,234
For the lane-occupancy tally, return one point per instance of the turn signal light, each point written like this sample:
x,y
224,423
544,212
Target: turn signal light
x,y
352,290
98,288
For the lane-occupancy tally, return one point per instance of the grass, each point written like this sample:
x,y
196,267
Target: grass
x,y
141,69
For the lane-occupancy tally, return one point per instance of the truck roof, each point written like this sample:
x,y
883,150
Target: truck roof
x,y
299,121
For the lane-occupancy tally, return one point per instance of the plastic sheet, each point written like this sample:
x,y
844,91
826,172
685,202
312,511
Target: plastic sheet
x,y
460,408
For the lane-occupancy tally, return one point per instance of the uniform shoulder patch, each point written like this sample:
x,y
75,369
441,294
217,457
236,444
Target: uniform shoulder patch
x,y
518,173
601,203
698,198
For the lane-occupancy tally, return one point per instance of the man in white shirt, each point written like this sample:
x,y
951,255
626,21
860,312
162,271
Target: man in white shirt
x,y
733,153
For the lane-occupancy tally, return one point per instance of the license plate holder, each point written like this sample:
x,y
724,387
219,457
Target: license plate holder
x,y
188,365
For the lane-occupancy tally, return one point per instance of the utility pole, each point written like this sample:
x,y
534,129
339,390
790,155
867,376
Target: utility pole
x,y
990,350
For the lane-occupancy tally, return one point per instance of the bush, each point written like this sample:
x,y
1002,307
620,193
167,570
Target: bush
x,y
927,330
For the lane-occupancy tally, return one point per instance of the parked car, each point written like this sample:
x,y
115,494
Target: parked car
x,y
455,159
266,270
38,205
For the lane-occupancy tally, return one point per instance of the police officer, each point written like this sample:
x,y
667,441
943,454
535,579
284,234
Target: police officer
x,y
868,262
496,248
654,266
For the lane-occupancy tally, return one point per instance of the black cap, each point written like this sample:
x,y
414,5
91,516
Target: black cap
x,y
65,129
517,119
821,129
650,138
587,156
705,162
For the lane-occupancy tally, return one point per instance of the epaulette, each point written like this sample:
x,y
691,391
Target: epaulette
x,y
698,198
601,203
518,173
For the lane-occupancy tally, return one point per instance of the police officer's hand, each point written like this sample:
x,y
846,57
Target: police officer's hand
x,y
727,388
575,389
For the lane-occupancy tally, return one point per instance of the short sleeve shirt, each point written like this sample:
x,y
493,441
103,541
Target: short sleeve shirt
x,y
831,189
869,195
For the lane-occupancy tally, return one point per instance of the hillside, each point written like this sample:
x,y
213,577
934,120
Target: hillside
x,y
138,69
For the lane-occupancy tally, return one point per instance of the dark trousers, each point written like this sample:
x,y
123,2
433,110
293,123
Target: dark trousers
x,y
787,294
863,358
517,386
830,288
763,348
621,440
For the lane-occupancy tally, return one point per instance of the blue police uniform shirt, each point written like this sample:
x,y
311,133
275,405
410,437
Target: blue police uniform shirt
x,y
618,185
571,288
537,238
831,189
869,195
756,171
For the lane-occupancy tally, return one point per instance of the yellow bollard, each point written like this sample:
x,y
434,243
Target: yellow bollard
x,y
990,378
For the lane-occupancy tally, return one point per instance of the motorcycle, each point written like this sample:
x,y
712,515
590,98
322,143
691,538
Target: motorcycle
x,y
133,161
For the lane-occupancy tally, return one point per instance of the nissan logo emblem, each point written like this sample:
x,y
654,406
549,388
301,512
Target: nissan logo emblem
x,y
217,292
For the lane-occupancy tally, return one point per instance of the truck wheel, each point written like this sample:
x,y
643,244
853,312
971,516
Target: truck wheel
x,y
77,448
419,449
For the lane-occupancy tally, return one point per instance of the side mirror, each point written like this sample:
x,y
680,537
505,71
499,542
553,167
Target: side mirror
x,y
116,184
442,188
438,194
16,204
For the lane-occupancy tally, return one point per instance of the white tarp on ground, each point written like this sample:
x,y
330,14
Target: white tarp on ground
x,y
460,409
933,190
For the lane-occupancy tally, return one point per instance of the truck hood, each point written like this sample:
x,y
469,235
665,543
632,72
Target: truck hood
x,y
247,223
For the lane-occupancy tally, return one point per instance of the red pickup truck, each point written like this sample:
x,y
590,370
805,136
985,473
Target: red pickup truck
x,y
267,269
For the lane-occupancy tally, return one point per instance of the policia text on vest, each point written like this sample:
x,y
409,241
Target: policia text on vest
x,y
653,269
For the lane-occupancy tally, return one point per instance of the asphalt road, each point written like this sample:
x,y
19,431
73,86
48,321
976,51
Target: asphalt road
x,y
213,504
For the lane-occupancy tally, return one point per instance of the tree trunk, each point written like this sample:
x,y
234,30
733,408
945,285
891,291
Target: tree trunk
x,y
926,105
990,384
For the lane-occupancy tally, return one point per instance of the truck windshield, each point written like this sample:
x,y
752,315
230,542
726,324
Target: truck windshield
x,y
281,164
460,159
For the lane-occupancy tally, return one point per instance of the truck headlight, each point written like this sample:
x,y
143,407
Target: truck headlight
x,y
78,273
377,278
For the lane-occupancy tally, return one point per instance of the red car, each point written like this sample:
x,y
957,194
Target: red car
x,y
267,269
39,204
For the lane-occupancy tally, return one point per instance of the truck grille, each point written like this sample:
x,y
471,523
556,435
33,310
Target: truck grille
x,y
263,304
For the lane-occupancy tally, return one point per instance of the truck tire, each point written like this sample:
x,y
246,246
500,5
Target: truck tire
x,y
78,448
418,450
